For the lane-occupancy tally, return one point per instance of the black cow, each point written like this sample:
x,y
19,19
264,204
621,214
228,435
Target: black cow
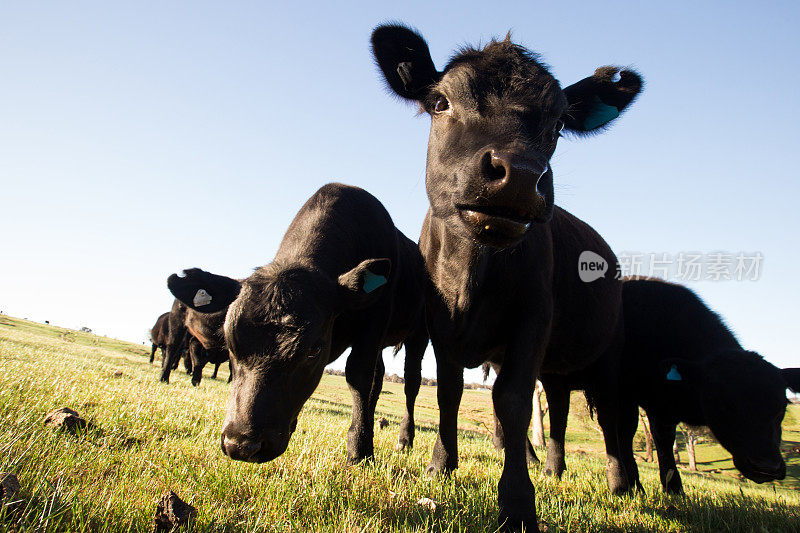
x,y
178,338
682,364
158,336
502,258
210,347
343,276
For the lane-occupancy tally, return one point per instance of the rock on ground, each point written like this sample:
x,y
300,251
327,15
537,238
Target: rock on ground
x,y
172,513
66,418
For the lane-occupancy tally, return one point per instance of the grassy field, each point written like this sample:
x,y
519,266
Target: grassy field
x,y
151,438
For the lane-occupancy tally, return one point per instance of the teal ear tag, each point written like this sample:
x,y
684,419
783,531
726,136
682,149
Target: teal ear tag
x,y
673,374
600,114
373,281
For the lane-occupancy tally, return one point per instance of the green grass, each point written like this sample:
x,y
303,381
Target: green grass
x,y
152,438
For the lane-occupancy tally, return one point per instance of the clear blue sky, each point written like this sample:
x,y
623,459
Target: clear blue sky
x,y
137,139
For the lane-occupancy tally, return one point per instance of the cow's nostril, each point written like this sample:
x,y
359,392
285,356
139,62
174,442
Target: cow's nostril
x,y
241,450
492,167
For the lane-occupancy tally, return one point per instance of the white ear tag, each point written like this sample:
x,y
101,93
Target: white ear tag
x,y
404,71
201,298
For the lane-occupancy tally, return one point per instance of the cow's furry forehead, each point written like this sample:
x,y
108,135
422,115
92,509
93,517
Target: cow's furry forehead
x,y
507,71
275,291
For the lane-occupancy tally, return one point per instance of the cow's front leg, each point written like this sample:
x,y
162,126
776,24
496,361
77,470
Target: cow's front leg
x,y
412,377
449,387
664,437
558,403
360,376
513,396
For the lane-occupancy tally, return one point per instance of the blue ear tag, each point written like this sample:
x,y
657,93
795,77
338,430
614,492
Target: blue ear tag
x,y
673,374
600,114
373,281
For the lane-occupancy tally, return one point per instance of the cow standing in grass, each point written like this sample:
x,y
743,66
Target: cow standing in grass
x,y
343,276
208,344
503,260
158,336
682,364
177,344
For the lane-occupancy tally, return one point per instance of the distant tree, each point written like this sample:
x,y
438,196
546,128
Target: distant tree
x,y
538,415
648,436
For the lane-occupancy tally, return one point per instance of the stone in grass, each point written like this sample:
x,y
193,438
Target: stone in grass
x,y
9,486
172,513
66,418
383,423
9,491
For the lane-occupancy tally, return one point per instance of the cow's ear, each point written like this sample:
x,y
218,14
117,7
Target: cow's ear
x,y
403,57
792,378
594,102
363,285
203,291
680,371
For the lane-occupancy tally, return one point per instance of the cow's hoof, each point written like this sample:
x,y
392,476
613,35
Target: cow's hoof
x,y
356,460
402,446
437,471
554,472
526,524
195,383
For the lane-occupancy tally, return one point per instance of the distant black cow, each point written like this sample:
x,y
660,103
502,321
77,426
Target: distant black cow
x,y
502,258
682,364
177,342
343,276
158,336
209,345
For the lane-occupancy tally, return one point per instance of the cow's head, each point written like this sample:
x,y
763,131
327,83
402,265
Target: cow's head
x,y
743,400
496,116
278,331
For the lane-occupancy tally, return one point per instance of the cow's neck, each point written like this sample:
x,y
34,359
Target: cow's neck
x,y
455,264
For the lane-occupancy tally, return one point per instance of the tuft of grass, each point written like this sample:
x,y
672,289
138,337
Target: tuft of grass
x,y
151,438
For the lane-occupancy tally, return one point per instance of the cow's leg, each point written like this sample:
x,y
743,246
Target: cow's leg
x,y
216,369
377,384
557,391
629,421
153,353
199,359
171,358
187,363
512,397
360,376
664,437
605,390
230,371
497,438
412,377
449,388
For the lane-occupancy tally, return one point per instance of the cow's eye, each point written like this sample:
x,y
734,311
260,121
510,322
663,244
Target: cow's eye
x,y
442,104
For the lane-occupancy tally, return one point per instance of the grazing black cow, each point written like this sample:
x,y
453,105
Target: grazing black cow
x,y
158,336
343,276
209,345
502,258
682,364
178,338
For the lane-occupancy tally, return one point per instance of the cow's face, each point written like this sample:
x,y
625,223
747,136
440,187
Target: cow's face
x,y
278,331
744,402
496,116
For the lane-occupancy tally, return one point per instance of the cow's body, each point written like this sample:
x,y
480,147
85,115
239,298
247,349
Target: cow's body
x,y
343,276
502,259
158,336
682,364
177,345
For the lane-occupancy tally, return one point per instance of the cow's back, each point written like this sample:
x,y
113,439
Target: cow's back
x,y
587,315
663,321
